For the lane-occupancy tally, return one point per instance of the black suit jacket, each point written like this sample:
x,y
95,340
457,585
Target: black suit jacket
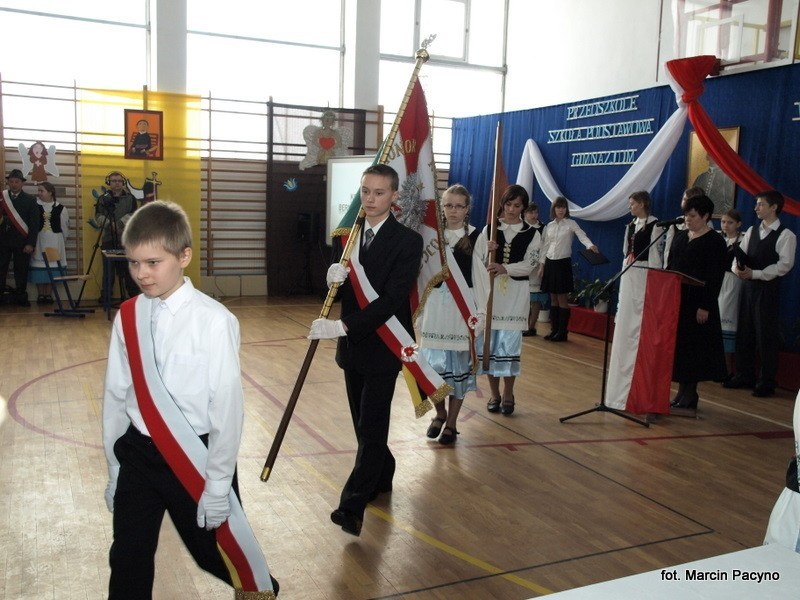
x,y
28,209
391,264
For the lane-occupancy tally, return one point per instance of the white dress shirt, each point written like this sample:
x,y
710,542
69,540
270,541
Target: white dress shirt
x,y
196,342
785,246
557,239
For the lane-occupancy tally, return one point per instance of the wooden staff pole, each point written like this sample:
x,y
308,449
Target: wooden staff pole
x,y
355,232
496,195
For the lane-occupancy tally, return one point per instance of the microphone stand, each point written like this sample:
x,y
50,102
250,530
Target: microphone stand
x,y
608,288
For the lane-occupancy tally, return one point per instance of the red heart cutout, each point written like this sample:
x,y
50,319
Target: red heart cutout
x,y
327,142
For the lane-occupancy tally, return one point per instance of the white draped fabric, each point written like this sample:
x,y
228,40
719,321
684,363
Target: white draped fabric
x,y
643,174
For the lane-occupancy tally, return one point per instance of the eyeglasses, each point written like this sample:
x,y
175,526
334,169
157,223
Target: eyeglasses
x,y
116,181
457,206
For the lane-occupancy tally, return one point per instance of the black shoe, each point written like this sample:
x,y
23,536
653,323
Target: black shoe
x,y
493,405
687,401
676,401
560,336
435,428
448,436
22,301
738,382
763,391
276,587
529,333
507,408
347,521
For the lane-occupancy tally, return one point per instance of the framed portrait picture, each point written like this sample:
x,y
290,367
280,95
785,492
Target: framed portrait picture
x,y
144,135
704,173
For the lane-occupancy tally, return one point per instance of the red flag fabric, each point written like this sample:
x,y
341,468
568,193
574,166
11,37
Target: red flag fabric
x,y
689,73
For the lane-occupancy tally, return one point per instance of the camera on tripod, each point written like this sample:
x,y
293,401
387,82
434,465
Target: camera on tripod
x,y
108,202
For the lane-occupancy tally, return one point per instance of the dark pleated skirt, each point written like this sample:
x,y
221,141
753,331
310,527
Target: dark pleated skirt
x,y
557,276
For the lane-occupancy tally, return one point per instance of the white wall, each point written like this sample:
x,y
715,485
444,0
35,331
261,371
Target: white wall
x,y
566,50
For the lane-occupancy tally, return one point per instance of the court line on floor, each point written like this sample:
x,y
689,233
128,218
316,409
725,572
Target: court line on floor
x,y
547,564
434,542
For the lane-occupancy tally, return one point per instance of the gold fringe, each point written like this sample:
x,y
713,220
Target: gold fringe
x,y
340,231
434,281
442,393
265,595
423,407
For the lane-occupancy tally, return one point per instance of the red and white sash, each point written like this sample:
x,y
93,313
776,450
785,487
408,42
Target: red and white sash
x,y
185,453
395,336
463,296
7,206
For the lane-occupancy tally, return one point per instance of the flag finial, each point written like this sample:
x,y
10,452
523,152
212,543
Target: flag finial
x,y
422,53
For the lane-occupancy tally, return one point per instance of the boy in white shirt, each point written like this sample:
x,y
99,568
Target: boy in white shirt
x,y
172,418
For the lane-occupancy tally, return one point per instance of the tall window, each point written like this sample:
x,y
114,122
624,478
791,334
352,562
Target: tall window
x,y
95,42
289,50
469,45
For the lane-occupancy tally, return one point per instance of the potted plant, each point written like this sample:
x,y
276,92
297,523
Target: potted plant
x,y
593,293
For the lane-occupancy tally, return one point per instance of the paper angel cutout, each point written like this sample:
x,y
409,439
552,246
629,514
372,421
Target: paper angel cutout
x,y
38,161
324,142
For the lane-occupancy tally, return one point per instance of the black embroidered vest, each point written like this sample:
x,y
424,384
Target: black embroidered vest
x,y
55,217
517,248
638,240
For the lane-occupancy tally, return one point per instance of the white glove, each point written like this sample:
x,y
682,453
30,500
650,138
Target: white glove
x,y
111,489
337,273
326,329
481,324
212,510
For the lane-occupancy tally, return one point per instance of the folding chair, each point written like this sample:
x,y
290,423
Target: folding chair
x,y
52,255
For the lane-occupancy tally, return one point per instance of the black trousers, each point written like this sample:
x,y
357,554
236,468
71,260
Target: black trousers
x,y
370,398
146,489
22,263
757,331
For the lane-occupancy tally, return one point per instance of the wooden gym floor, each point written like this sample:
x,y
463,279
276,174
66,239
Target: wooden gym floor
x,y
521,506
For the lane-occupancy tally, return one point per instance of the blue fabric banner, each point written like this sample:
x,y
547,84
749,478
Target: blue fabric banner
x,y
589,145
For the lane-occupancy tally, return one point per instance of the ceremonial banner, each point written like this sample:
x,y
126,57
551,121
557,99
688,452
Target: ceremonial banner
x,y
411,155
643,352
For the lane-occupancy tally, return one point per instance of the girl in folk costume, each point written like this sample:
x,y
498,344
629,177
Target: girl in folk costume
x,y
55,228
639,233
510,258
731,223
555,265
445,337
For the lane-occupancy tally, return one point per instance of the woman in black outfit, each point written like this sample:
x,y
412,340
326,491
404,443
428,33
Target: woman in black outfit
x,y
699,252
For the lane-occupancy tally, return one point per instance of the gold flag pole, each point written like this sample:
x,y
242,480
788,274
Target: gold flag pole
x,y
422,57
496,195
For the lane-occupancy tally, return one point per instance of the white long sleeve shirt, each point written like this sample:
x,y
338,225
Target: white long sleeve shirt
x,y
557,239
785,246
196,342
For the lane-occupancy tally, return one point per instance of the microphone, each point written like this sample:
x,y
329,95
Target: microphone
x,y
669,223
